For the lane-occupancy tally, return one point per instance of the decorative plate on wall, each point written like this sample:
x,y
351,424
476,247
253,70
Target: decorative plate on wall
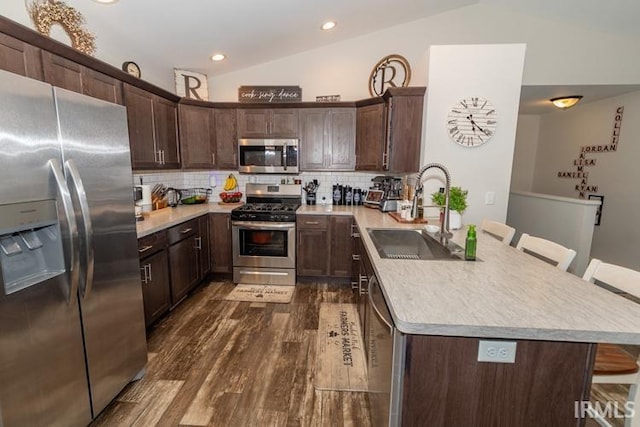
x,y
390,71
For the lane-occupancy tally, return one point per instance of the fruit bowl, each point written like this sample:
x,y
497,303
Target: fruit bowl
x,y
231,196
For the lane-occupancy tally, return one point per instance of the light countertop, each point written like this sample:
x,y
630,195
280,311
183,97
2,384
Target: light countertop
x,y
508,294
168,217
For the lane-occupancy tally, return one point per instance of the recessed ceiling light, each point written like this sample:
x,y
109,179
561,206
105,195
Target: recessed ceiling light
x,y
218,57
328,25
106,1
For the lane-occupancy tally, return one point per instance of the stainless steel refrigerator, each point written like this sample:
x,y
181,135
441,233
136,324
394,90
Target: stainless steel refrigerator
x,y
72,329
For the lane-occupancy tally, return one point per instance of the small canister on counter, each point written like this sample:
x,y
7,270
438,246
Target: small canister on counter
x,y
337,194
348,195
357,196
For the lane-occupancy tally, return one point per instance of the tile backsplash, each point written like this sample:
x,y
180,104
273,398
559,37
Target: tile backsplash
x,y
215,180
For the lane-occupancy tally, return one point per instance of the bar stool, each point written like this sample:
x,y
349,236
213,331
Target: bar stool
x,y
546,250
499,230
613,364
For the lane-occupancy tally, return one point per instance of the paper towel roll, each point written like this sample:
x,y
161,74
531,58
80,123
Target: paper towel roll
x,y
145,202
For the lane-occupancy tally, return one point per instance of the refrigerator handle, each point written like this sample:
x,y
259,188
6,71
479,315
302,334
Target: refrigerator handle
x,y
72,226
76,180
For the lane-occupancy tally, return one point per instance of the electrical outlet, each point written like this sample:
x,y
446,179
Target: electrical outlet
x,y
497,351
490,198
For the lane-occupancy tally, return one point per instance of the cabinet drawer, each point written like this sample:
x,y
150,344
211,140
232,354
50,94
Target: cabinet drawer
x,y
312,221
182,231
149,245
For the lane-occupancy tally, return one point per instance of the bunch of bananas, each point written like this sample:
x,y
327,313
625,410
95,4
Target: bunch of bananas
x,y
231,183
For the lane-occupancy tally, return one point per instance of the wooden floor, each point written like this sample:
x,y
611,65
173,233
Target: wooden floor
x,y
228,363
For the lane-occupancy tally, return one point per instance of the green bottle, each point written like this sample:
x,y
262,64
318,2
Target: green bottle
x,y
470,244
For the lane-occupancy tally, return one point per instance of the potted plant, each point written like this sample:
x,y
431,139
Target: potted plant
x,y
457,205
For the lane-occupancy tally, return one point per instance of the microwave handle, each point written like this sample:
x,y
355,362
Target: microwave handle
x,y
284,156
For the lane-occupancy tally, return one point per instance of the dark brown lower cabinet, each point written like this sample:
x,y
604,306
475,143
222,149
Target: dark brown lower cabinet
x,y
220,243
445,385
154,274
204,246
324,245
341,258
184,258
312,245
156,291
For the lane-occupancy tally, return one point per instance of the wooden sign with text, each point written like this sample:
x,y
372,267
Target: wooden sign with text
x,y
269,94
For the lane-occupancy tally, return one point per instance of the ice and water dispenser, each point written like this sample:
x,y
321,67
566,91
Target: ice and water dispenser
x,y
30,244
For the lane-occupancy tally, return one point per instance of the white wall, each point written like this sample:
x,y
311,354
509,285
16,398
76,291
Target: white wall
x,y
524,156
616,173
343,68
496,75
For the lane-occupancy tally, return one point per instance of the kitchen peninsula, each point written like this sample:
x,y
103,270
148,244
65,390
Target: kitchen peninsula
x,y
442,309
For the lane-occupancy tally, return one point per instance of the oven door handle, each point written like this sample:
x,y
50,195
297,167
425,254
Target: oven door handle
x,y
265,226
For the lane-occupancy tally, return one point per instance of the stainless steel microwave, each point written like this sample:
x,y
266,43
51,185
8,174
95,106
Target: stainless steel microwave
x,y
268,156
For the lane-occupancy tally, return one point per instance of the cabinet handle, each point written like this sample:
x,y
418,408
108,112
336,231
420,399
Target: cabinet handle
x,y
312,222
363,289
144,249
228,223
199,243
162,153
144,274
355,257
235,158
149,267
186,230
213,158
156,156
385,160
355,285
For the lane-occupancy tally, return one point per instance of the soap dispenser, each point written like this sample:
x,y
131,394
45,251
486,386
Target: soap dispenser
x,y
470,244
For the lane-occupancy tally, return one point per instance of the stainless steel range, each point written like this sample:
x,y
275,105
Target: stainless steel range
x,y
264,235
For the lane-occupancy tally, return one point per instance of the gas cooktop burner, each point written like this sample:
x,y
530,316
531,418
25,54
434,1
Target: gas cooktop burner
x,y
271,212
268,207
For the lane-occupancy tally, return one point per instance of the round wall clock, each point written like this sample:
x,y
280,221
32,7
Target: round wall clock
x,y
132,68
472,121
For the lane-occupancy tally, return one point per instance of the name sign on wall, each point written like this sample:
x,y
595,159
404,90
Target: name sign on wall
x,y
268,94
191,85
586,159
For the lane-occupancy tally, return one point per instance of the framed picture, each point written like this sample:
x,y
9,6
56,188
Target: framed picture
x,y
191,85
599,211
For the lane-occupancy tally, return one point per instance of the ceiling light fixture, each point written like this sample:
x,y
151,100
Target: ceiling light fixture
x,y
328,25
218,57
565,102
106,1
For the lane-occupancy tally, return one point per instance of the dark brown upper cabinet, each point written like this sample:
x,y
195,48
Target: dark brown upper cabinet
x,y
208,138
268,123
70,75
226,137
370,137
197,141
19,57
389,131
153,129
327,139
403,129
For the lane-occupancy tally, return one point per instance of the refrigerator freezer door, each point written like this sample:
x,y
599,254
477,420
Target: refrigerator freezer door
x,y
43,379
95,144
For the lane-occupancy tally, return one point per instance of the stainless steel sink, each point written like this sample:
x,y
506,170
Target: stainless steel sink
x,y
413,244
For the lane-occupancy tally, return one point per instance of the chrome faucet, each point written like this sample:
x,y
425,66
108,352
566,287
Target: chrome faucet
x,y
444,225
